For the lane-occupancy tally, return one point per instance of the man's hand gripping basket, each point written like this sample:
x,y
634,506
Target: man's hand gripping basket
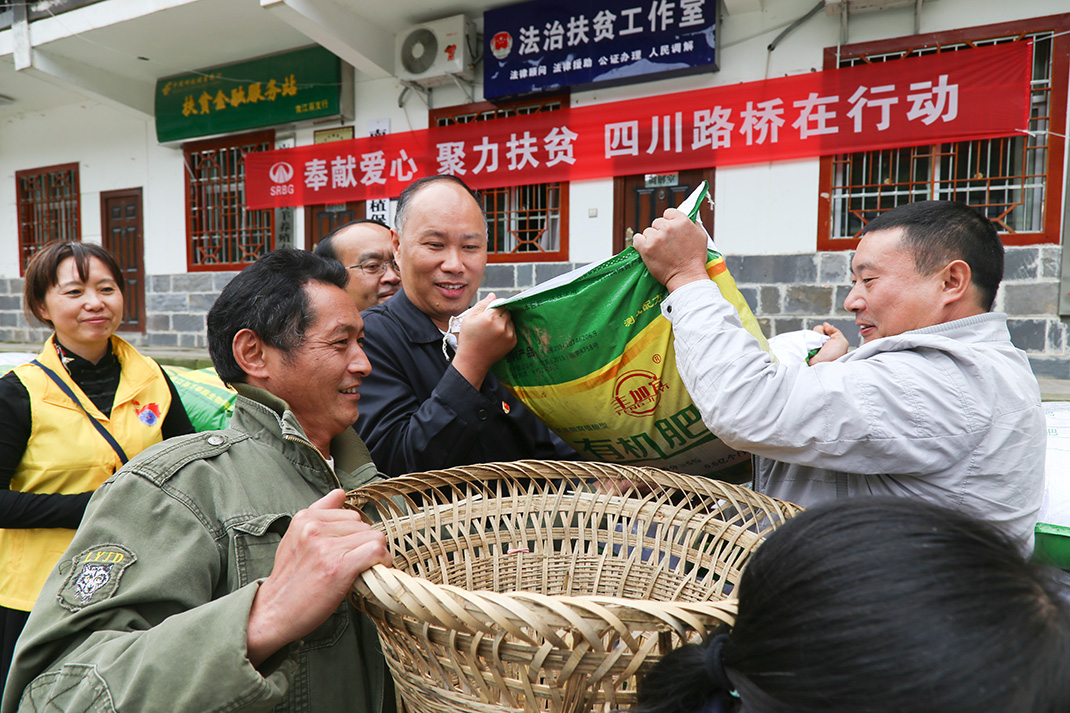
x,y
550,586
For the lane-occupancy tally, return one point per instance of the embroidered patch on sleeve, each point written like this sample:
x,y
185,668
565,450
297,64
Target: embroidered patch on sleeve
x,y
94,576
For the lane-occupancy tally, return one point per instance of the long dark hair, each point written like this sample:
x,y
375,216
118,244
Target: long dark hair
x,y
881,605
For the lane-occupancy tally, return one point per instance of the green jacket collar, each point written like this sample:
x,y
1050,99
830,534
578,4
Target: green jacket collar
x,y
352,462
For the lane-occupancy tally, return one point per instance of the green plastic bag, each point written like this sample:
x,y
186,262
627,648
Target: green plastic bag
x,y
595,361
207,400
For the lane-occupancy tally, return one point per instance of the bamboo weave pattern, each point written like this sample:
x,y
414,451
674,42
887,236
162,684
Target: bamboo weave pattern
x,y
550,586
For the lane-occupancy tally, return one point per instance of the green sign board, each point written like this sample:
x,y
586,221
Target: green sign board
x,y
281,89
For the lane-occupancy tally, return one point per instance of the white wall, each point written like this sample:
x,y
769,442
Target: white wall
x,y
114,151
766,208
165,209
590,237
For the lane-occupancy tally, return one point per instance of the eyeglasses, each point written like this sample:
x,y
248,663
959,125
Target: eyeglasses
x,y
375,267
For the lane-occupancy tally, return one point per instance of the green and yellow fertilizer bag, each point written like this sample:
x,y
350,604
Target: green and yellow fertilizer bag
x,y
208,401
595,361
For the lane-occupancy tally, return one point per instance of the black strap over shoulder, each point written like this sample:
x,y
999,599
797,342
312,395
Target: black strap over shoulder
x,y
96,424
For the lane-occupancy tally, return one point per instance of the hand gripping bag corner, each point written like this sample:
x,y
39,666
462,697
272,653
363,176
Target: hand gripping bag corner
x,y
595,361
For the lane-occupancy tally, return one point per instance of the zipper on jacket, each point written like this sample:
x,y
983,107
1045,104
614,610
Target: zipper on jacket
x,y
298,439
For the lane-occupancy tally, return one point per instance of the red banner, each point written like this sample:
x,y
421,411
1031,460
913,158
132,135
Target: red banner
x,y
953,96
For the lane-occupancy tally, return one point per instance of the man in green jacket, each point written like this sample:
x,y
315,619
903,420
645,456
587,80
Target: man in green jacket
x,y
210,573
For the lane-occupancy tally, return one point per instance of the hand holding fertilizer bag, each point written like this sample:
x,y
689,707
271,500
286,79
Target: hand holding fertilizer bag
x,y
594,360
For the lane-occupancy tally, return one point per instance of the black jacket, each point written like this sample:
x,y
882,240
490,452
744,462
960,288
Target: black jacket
x,y
418,413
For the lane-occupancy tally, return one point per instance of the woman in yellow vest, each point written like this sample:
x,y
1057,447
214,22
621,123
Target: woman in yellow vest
x,y
69,419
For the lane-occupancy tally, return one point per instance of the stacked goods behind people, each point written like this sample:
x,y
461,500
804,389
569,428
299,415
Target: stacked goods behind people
x,y
208,401
1053,524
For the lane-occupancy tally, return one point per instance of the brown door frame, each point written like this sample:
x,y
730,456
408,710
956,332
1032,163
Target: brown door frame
x,y
620,217
359,210
140,324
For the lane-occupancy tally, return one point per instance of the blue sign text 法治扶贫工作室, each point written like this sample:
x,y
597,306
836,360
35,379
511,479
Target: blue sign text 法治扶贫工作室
x,y
539,45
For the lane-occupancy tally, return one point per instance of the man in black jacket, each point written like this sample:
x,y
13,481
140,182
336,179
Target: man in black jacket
x,y
431,404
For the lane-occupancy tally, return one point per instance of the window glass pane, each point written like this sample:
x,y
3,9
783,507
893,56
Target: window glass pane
x,y
49,208
222,231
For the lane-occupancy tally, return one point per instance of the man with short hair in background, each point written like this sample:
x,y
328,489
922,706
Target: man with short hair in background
x,y
431,404
365,248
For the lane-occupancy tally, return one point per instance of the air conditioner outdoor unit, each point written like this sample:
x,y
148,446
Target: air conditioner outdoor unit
x,y
431,53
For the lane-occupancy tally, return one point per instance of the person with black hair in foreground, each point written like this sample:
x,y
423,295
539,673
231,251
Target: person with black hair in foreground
x,y
210,573
879,605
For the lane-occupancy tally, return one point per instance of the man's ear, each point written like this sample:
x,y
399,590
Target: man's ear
x,y
395,243
249,352
957,281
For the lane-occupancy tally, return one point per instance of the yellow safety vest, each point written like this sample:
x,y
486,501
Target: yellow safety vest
x,y
65,454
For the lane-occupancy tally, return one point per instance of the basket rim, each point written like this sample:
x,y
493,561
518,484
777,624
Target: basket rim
x,y
549,470
388,592
477,611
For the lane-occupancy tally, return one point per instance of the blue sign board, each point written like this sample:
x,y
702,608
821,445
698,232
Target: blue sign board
x,y
547,44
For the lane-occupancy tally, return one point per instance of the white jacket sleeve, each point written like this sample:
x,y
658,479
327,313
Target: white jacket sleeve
x,y
863,415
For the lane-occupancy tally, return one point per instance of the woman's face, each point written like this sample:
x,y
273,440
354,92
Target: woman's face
x,y
84,314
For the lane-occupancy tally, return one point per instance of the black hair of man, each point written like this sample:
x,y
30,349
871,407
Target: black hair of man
x,y
325,247
268,298
880,605
937,232
404,200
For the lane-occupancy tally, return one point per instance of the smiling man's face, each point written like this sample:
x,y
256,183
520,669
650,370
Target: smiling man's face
x,y
888,295
442,250
319,378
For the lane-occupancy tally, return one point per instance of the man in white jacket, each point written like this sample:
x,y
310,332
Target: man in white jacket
x,y
936,404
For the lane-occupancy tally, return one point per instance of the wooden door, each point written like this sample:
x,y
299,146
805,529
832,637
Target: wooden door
x,y
123,235
638,200
322,219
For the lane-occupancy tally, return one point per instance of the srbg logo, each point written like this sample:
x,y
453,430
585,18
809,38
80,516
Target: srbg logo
x,y
281,173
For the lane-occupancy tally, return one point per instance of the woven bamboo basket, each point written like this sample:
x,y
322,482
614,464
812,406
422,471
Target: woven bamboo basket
x,y
550,586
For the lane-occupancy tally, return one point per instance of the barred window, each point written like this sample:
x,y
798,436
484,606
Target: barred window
x,y
524,223
1016,181
223,234
49,208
